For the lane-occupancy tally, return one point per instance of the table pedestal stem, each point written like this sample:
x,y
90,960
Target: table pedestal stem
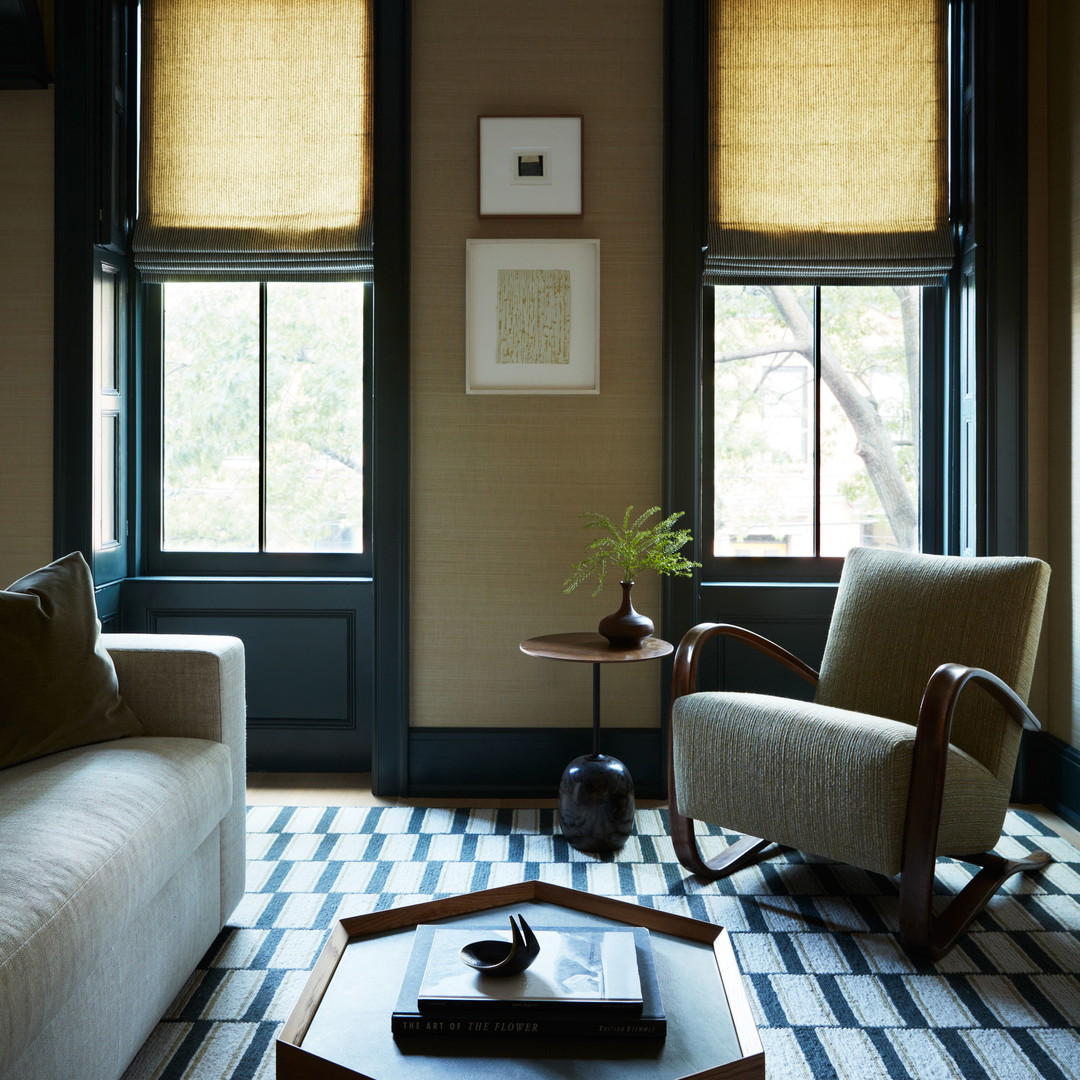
x,y
595,709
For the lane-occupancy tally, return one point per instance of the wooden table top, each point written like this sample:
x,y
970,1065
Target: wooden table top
x,y
594,648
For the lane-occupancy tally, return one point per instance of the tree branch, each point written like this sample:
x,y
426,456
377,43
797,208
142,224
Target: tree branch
x,y
874,444
779,349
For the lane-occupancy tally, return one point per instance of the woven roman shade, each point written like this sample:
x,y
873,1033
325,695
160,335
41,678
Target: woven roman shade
x,y
828,141
255,154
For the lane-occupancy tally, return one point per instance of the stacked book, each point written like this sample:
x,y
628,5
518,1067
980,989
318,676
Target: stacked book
x,y
585,982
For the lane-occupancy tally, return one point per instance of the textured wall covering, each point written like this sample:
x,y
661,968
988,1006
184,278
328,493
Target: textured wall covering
x,y
1038,358
1055,315
499,482
26,295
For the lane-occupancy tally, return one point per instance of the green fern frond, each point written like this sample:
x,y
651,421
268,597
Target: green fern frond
x,y
632,547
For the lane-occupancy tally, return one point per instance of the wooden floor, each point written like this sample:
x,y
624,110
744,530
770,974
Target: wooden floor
x,y
349,789
354,789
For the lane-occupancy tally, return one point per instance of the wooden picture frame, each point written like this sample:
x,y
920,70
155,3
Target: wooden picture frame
x,y
532,323
530,166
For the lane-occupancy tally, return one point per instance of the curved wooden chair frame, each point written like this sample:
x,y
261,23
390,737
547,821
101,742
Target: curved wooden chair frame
x,y
922,933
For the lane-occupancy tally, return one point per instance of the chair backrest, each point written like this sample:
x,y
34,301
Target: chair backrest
x,y
898,616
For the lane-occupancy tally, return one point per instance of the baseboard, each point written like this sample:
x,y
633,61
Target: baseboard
x,y
528,762
523,762
1048,772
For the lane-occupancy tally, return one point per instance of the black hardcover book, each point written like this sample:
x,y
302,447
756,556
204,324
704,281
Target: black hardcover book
x,y
510,1014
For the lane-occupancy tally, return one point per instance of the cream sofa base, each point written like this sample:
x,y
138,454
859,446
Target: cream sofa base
x,y
83,1010
99,1030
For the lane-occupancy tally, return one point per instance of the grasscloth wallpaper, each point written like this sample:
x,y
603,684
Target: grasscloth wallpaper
x,y
26,314
499,481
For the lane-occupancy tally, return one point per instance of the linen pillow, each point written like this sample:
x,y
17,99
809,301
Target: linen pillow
x,y
58,686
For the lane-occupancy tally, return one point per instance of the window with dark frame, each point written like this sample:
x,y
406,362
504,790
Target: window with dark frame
x,y
263,405
827,204
254,239
815,400
959,444
109,319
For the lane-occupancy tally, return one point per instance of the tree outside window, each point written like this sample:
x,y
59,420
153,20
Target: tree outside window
x,y
856,482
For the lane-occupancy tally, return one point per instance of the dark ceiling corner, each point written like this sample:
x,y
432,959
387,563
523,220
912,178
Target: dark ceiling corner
x,y
23,64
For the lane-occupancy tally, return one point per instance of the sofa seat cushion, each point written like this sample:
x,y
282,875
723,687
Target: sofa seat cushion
x,y
87,838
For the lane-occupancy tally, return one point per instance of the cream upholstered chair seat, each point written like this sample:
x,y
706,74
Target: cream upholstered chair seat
x,y
801,751
907,751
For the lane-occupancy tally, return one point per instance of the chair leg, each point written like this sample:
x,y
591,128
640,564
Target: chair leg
x,y
932,937
744,852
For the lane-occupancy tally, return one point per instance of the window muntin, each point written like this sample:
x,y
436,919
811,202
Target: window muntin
x,y
815,419
263,417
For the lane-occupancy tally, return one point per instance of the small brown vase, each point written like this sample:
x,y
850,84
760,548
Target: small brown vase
x,y
626,628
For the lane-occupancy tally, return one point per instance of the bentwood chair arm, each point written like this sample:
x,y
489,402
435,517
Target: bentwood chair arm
x,y
923,814
684,676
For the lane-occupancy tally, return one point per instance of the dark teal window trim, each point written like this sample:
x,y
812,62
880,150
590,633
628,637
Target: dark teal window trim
x,y
989,155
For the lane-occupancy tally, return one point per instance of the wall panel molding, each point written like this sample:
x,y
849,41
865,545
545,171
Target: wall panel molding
x,y
310,684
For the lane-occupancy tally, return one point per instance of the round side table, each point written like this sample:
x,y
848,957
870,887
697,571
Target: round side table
x,y
596,793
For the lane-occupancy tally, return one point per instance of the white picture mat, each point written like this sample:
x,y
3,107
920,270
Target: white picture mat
x,y
484,259
502,194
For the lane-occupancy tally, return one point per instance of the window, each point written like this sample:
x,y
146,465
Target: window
x,y
254,240
828,213
767,327
320,604
263,417
815,406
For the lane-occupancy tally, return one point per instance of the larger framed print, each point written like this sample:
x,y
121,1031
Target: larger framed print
x,y
532,321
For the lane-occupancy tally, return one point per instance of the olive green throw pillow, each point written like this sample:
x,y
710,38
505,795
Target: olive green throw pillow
x,y
58,686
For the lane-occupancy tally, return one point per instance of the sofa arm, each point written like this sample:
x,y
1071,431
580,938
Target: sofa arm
x,y
181,684
192,685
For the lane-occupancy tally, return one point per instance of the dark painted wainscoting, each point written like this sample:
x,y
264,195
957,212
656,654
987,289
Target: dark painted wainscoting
x,y
308,652
107,598
1049,773
793,614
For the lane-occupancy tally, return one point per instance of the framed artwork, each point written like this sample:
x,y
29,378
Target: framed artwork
x,y
532,321
530,166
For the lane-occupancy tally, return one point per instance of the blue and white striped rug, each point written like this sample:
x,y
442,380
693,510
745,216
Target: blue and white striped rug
x,y
834,995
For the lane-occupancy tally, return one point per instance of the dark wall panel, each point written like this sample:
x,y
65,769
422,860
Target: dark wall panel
x,y
795,615
308,654
297,663
524,762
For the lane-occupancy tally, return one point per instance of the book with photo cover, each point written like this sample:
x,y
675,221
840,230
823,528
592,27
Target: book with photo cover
x,y
577,1011
579,967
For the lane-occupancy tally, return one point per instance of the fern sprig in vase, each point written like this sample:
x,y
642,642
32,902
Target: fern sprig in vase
x,y
631,547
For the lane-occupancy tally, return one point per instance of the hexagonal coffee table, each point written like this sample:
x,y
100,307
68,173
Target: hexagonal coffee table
x,y
340,1028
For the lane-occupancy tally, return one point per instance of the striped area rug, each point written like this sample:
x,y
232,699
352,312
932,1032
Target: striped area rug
x,y
834,995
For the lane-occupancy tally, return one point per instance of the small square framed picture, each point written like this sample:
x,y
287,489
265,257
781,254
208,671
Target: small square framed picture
x,y
530,166
532,316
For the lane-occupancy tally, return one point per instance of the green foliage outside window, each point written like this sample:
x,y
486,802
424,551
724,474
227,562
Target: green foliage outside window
x,y
313,417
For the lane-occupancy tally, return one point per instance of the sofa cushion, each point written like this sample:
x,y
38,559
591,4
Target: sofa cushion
x,y
87,838
58,686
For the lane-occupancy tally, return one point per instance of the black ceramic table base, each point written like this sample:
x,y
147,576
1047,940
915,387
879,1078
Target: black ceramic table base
x,y
596,793
596,803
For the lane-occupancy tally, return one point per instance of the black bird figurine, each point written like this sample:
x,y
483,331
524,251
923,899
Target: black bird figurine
x,y
501,957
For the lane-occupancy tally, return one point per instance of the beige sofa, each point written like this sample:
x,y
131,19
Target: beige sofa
x,y
120,863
